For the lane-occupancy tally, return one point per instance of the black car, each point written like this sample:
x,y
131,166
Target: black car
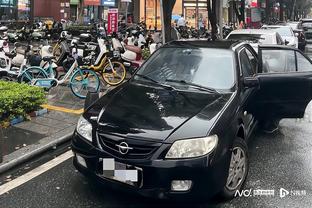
x,y
179,127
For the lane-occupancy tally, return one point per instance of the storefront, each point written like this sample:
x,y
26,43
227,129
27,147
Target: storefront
x,y
194,11
74,10
23,8
8,10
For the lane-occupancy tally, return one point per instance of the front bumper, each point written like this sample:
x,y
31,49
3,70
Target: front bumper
x,y
207,179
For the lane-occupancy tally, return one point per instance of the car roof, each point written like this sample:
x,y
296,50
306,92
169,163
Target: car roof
x,y
276,26
253,31
222,44
306,20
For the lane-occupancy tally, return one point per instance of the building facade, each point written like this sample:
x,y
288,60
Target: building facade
x,y
56,9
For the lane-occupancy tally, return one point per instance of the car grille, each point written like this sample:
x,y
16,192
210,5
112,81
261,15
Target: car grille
x,y
140,149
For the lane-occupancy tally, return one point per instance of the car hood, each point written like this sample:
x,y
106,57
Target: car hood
x,y
154,113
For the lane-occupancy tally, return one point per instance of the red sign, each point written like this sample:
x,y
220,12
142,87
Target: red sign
x,y
112,23
92,2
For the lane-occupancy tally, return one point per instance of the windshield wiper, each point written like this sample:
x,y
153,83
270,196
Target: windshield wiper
x,y
168,87
197,86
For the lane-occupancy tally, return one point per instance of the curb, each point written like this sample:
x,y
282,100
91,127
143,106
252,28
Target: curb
x,y
15,162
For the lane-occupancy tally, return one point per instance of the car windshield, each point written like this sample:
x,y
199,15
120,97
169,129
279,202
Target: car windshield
x,y
283,31
206,67
260,38
294,26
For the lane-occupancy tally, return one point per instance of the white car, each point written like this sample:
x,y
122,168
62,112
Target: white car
x,y
286,32
256,37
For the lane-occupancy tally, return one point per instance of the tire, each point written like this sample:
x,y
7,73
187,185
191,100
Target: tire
x,y
230,187
32,73
110,77
80,83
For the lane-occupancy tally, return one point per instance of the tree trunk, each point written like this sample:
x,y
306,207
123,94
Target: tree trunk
x,y
211,8
80,12
267,11
168,6
281,2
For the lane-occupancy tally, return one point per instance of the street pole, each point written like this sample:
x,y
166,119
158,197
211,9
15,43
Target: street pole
x,y
162,22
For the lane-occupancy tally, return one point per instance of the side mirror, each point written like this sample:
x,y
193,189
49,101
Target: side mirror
x,y
251,82
90,99
286,42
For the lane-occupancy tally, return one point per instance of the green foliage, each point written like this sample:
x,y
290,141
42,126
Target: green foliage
x,y
19,99
145,53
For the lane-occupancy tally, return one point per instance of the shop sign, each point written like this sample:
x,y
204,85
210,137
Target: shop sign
x,y
7,3
92,2
74,2
112,21
109,3
255,15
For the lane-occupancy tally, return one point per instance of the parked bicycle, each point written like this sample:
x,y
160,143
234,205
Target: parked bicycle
x,y
81,81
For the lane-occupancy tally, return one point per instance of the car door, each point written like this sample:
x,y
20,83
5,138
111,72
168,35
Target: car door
x,y
285,83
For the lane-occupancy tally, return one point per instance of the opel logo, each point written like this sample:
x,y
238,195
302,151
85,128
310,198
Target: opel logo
x,y
123,148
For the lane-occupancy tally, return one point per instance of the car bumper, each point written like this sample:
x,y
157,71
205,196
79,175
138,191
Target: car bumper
x,y
157,175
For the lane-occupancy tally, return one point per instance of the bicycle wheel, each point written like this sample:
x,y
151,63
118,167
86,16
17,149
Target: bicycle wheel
x,y
32,73
84,81
116,75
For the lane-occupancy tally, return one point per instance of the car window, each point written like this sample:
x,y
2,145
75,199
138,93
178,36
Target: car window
x,y
253,61
208,67
283,31
278,61
245,63
303,63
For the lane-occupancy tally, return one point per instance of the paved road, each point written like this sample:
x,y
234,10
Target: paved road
x,y
280,160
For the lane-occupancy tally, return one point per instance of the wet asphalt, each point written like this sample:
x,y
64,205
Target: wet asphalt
x,y
281,160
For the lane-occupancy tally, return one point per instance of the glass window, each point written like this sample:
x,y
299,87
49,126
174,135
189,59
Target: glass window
x,y
245,64
253,61
303,63
278,61
212,68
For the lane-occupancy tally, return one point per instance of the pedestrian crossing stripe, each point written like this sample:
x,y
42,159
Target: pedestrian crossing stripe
x,y
62,109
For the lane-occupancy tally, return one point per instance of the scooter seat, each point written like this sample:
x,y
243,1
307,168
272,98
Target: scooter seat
x,y
48,58
10,55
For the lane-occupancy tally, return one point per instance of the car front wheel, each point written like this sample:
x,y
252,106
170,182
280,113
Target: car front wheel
x,y
238,169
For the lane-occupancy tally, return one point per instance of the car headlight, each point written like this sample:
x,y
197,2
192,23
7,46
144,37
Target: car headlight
x,y
188,148
84,128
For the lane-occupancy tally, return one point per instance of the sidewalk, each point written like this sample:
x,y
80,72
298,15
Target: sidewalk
x,y
25,140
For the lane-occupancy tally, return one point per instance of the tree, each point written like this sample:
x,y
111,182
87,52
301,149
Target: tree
x,y
167,11
212,15
80,11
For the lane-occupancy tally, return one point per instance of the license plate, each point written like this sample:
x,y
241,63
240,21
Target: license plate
x,y
121,172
